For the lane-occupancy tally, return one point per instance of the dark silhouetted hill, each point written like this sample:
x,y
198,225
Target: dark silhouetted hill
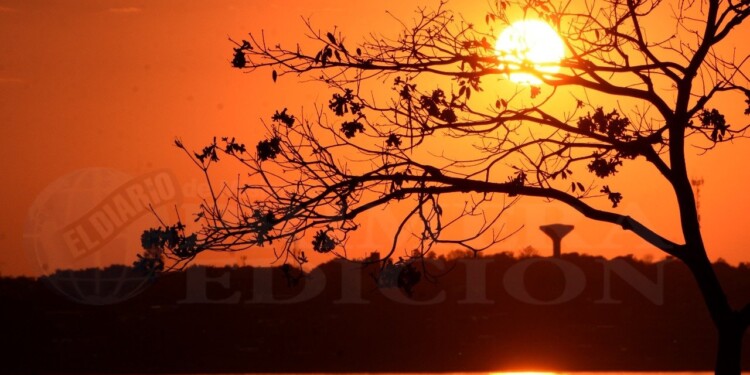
x,y
533,313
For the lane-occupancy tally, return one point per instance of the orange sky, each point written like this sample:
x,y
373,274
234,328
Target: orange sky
x,y
110,84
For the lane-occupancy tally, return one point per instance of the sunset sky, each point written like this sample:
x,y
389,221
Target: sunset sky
x,y
93,94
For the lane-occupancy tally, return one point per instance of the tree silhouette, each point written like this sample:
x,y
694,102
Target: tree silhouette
x,y
623,95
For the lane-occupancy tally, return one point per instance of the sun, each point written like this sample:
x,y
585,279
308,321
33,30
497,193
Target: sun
x,y
529,45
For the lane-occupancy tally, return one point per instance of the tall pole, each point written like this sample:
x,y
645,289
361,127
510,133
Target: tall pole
x,y
697,183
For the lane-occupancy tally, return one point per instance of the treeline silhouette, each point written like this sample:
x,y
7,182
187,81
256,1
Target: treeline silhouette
x,y
347,317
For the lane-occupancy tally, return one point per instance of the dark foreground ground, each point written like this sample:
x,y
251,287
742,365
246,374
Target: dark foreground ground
x,y
337,319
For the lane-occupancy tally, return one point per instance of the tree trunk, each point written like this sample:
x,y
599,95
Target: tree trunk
x,y
729,355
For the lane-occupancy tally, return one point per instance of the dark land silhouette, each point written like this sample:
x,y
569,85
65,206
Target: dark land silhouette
x,y
169,328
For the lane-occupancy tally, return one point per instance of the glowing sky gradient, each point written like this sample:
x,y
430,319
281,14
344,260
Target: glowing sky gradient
x,y
110,84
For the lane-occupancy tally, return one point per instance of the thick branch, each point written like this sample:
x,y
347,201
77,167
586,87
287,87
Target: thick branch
x,y
463,185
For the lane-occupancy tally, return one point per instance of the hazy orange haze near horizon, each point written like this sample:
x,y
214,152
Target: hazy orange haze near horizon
x,y
110,84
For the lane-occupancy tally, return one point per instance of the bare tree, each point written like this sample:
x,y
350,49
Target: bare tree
x,y
622,95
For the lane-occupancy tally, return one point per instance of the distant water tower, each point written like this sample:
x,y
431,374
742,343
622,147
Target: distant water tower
x,y
556,232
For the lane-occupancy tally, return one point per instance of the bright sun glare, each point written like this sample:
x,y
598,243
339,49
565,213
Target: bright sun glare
x,y
529,44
